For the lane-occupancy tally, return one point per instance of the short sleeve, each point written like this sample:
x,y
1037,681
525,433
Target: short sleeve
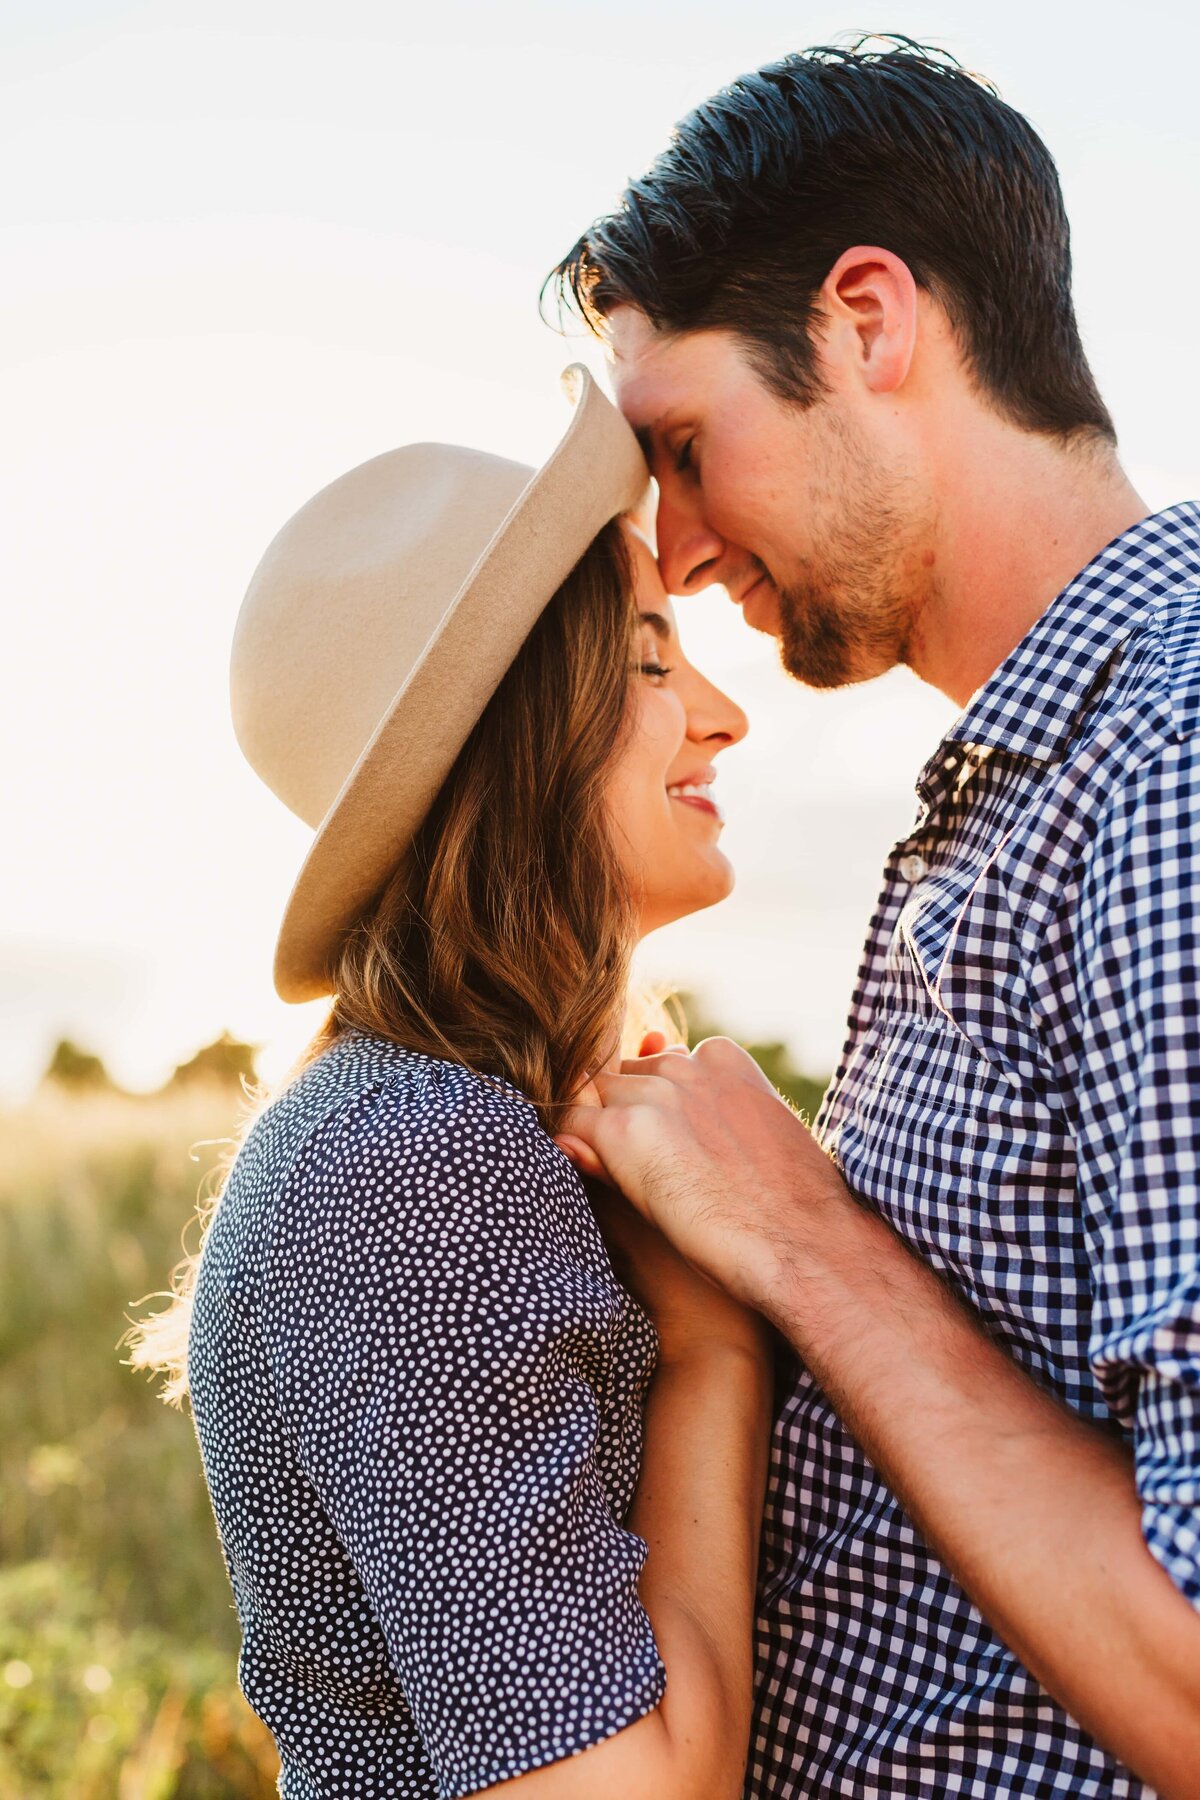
x,y
1138,979
439,1329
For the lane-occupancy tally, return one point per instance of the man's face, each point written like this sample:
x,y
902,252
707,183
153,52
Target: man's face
x,y
805,515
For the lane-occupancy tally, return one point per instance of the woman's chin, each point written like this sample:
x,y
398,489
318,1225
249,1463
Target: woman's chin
x,y
708,887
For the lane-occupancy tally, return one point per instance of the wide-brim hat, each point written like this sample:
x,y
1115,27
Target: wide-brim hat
x,y
377,627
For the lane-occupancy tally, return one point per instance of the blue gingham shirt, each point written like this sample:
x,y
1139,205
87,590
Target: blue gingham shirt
x,y
1019,1096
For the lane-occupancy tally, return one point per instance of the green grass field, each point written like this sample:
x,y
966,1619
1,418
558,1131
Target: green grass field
x,y
118,1641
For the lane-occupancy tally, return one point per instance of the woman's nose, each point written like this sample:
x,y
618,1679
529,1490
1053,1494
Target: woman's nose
x,y
714,719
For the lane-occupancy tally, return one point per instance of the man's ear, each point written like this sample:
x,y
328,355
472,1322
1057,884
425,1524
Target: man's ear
x,y
869,302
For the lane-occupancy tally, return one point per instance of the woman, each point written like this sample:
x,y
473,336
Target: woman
x,y
417,1383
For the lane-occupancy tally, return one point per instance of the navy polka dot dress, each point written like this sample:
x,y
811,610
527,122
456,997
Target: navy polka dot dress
x,y
418,1393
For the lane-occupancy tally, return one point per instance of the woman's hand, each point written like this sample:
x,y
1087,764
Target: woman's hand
x,y
691,1313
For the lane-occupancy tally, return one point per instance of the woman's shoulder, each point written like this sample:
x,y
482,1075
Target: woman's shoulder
x,y
381,1183
424,1184
370,1125
365,1086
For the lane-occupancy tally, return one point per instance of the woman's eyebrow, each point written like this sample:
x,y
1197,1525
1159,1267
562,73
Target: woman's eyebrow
x,y
659,626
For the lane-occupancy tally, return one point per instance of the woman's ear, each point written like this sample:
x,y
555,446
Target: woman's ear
x,y
869,302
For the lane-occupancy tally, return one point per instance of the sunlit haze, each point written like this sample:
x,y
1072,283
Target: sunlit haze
x,y
251,245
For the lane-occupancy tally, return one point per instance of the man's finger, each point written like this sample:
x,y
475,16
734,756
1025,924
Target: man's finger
x,y
582,1123
640,1087
576,1138
722,1054
583,1157
673,1062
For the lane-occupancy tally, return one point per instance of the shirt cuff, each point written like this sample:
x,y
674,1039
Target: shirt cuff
x,y
1172,1534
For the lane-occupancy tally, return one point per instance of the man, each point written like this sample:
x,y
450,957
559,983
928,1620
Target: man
x,y
840,318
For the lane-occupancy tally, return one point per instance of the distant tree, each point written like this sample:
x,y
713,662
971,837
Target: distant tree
x,y
71,1067
226,1061
774,1059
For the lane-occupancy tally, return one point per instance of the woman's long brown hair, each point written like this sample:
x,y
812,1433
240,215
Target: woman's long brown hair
x,y
503,940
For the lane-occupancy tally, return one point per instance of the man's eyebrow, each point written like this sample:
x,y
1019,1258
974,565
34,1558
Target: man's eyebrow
x,y
659,626
645,434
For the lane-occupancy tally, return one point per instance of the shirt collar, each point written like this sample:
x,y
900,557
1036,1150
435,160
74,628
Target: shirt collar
x,y
1031,704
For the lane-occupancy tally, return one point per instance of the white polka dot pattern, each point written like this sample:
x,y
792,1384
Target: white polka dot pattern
x,y
418,1392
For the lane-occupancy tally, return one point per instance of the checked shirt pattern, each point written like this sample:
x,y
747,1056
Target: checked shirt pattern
x,y
1019,1096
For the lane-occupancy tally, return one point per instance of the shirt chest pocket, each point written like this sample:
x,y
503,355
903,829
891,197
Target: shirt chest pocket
x,y
956,955
948,1119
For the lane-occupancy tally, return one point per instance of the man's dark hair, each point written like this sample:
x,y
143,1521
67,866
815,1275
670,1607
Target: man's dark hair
x,y
762,188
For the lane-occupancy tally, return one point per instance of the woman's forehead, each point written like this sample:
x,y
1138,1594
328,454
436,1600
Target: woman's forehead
x,y
651,594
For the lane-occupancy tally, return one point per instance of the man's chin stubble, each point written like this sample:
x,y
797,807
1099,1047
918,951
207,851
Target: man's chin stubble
x,y
825,645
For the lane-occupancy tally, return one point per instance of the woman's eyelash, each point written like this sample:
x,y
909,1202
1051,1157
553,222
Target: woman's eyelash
x,y
683,457
653,668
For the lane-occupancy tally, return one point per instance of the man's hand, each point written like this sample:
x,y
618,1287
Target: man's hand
x,y
1032,1507
710,1154
692,1315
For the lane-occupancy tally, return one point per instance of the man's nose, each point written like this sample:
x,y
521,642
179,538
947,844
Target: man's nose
x,y
690,552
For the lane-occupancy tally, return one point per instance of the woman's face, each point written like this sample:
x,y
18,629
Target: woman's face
x,y
659,796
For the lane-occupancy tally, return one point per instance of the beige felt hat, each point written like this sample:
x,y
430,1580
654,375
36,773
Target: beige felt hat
x,y
378,626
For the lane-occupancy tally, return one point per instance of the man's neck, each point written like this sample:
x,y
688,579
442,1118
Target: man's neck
x,y
1019,516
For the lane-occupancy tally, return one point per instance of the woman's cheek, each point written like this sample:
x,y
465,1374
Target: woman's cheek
x,y
666,728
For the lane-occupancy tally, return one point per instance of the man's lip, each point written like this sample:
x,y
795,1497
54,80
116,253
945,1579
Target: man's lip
x,y
741,599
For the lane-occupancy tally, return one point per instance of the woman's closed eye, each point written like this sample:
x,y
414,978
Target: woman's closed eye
x,y
683,456
650,662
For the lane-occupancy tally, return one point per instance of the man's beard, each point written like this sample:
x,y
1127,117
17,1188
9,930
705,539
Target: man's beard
x,y
853,611
836,630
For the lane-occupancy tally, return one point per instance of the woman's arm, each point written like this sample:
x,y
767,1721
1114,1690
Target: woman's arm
x,y
435,1316
698,1506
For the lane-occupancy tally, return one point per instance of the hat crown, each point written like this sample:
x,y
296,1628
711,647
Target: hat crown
x,y
379,626
344,603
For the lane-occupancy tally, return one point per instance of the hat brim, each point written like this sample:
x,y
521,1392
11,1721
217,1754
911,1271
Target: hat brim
x,y
596,472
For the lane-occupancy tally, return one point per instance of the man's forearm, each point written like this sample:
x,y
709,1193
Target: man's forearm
x,y
1033,1509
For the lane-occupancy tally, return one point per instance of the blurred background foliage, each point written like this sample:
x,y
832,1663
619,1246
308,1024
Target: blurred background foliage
x,y
774,1059
118,1641
118,1638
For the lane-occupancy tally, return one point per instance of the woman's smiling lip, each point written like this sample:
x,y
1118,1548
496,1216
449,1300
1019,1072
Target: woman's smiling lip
x,y
695,791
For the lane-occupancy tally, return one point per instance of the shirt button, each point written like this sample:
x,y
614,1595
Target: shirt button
x,y
913,868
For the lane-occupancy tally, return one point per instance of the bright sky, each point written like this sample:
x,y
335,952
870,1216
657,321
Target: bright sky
x,y
249,245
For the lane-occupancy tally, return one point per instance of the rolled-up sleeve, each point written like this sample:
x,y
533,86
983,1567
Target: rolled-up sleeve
x,y
1138,950
439,1333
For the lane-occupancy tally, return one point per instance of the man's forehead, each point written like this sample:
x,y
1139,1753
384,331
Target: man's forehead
x,y
657,376
631,336
645,381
